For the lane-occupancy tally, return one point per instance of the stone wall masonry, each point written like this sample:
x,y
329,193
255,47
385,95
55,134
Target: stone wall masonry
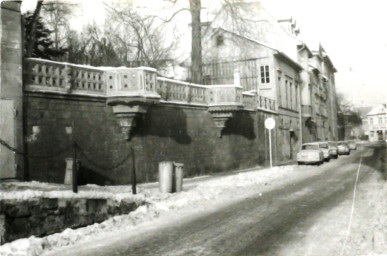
x,y
167,132
44,216
109,111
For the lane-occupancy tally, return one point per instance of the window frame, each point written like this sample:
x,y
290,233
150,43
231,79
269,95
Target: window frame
x,y
264,71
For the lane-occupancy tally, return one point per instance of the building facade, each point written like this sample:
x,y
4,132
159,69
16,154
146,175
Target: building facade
x,y
275,63
377,124
263,70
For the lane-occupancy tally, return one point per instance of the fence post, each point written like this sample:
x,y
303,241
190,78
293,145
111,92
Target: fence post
x,y
133,173
75,169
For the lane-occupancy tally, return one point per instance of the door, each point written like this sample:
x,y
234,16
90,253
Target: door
x,y
380,135
7,134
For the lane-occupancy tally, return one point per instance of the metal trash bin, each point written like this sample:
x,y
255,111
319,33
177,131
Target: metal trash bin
x,y
165,176
178,177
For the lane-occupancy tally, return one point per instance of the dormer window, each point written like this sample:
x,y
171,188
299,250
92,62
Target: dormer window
x,y
219,40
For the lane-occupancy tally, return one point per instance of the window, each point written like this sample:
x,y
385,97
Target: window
x,y
371,121
279,91
219,40
291,95
310,147
265,75
380,120
286,93
296,91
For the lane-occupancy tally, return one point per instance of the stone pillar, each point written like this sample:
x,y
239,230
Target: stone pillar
x,y
11,90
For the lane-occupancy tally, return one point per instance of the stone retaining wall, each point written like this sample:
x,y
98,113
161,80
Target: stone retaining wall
x,y
44,216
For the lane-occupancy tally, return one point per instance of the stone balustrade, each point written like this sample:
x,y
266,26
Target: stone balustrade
x,y
51,76
181,92
249,101
130,91
252,101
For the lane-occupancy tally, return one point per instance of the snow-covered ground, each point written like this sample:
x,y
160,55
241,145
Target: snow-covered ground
x,y
371,207
367,234
216,189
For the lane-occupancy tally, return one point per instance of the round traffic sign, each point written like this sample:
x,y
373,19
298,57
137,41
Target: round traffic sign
x,y
269,123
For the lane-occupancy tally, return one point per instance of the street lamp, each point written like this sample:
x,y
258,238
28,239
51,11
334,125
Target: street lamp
x,y
385,128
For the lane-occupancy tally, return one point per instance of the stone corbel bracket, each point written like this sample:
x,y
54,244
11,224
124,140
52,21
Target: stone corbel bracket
x,y
130,92
224,101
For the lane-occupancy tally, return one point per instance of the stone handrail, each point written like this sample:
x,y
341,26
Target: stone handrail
x,y
252,101
45,75
181,92
51,76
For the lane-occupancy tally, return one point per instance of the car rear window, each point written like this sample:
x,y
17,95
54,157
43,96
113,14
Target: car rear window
x,y
323,145
307,147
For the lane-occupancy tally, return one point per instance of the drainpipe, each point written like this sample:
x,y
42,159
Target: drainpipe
x,y
300,111
26,164
385,129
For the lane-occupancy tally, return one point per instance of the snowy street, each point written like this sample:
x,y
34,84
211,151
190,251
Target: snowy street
x,y
306,214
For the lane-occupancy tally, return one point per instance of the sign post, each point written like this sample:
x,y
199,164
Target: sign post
x,y
270,124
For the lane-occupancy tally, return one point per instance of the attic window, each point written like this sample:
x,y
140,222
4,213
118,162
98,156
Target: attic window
x,y
219,40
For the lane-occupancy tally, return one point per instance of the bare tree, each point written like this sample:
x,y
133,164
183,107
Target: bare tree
x,y
56,13
346,115
232,9
139,39
91,47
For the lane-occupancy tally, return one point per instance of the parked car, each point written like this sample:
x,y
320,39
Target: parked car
x,y
325,149
333,151
343,148
352,145
310,154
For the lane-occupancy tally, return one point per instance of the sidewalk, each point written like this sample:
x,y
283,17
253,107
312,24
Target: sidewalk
x,y
188,183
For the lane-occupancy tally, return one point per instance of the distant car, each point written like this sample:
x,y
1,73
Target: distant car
x,y
333,151
325,149
310,154
343,148
352,145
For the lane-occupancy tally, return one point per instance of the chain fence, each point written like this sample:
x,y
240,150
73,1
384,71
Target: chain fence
x,y
102,167
73,146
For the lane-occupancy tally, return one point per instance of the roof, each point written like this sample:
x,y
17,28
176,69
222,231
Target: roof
x,y
252,20
328,60
381,109
278,54
243,37
288,60
303,46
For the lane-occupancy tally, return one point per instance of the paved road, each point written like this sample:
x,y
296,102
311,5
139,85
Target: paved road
x,y
257,225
